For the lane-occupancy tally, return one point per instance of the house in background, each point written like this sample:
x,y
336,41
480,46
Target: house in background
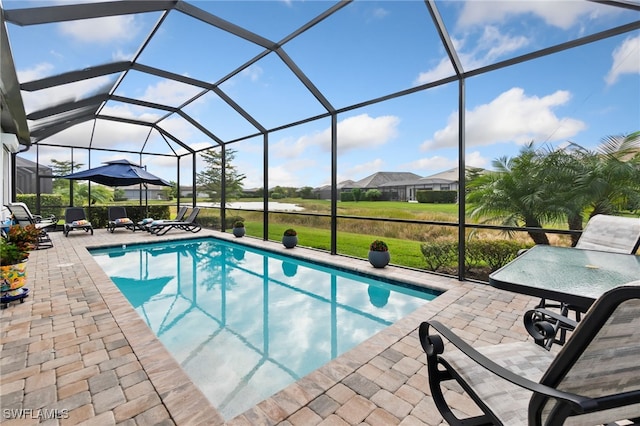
x,y
27,173
137,192
397,186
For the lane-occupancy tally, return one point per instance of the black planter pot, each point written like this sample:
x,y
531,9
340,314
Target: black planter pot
x,y
379,259
290,241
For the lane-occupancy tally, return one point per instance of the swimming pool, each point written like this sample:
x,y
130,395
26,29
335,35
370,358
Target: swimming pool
x,y
245,323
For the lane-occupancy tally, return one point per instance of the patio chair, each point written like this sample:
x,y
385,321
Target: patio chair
x,y
23,216
118,219
617,234
189,224
548,323
593,379
75,218
146,223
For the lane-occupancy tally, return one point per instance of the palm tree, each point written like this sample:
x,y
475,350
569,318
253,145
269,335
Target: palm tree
x,y
549,185
513,195
562,168
612,183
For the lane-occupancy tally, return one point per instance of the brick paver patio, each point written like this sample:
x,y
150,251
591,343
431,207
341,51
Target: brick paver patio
x,y
76,352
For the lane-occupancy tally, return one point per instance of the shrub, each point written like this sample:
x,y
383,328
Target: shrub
x,y
439,253
290,232
495,253
346,196
430,196
238,224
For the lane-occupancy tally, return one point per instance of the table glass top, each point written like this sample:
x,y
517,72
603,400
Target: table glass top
x,y
585,273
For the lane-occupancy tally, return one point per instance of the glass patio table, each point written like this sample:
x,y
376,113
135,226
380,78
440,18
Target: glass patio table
x,y
571,276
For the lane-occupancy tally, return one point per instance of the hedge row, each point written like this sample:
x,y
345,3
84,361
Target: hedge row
x,y
49,204
478,253
442,197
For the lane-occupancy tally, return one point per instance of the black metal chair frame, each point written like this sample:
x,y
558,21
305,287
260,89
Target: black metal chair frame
x,y
189,224
439,370
118,212
73,214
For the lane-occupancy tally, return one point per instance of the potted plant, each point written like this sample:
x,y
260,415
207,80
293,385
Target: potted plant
x,y
14,252
238,228
379,255
290,238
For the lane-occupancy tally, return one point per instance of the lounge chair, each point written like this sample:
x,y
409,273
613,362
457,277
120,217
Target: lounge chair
x,y
23,216
118,219
617,234
189,224
146,223
593,379
75,218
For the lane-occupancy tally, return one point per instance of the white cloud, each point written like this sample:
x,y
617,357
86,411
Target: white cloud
x,y
442,70
363,170
436,163
490,47
254,72
101,30
475,159
285,175
379,12
170,92
130,111
35,101
357,132
511,117
560,14
626,60
363,131
37,72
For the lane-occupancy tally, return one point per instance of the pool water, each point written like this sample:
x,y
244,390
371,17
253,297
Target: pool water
x,y
245,323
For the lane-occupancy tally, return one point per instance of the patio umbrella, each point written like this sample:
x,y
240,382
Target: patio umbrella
x,y
118,173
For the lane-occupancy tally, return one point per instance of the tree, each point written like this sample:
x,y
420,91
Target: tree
x,y
373,194
170,192
99,194
612,183
306,192
549,185
210,179
63,186
62,168
513,195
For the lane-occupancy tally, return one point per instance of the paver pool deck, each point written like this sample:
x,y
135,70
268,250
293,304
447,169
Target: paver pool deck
x,y
77,353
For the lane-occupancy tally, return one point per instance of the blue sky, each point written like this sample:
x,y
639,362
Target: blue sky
x,y
366,50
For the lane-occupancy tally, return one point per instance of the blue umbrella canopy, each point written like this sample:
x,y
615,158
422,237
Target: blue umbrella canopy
x,y
118,173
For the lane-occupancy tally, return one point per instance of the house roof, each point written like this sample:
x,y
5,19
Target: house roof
x,y
379,179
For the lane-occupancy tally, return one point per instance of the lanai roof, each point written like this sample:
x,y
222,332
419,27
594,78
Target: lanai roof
x,y
221,39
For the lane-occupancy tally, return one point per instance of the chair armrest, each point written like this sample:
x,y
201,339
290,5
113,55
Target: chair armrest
x,y
564,321
580,402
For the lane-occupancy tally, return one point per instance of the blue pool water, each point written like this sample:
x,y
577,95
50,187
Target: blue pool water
x,y
245,323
